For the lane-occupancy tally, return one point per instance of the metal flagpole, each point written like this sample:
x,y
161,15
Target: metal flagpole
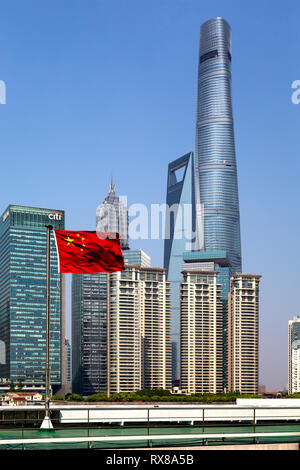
x,y
46,424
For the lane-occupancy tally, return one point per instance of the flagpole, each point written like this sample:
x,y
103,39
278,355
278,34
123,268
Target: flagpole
x,y
46,424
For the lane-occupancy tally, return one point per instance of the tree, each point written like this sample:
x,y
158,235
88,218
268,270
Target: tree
x,y
75,397
102,396
20,385
57,397
12,387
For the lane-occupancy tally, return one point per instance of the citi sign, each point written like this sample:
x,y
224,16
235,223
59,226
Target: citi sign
x,y
55,216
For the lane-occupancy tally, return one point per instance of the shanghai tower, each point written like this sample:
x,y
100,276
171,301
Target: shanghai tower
x,y
217,201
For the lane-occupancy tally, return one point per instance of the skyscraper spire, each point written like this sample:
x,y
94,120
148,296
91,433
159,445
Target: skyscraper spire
x,y
112,185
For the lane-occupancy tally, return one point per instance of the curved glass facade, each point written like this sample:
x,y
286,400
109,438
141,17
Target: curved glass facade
x,y
218,218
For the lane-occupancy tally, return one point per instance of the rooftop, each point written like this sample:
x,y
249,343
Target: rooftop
x,y
218,256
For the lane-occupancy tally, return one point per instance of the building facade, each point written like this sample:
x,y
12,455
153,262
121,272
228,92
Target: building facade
x,y
139,349
68,364
23,297
243,319
294,355
179,227
89,333
218,261
137,258
201,333
112,216
217,201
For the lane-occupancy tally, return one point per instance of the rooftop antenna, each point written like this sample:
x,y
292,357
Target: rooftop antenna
x,y
112,184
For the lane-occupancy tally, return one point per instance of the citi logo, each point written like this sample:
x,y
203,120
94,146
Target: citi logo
x,y
55,216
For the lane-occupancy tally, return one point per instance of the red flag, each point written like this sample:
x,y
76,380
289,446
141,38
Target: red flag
x,y
85,252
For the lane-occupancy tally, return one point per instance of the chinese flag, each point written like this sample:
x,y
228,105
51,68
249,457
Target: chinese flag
x,y
85,252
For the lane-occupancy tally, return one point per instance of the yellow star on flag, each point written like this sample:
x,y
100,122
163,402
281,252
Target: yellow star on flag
x,y
69,240
82,238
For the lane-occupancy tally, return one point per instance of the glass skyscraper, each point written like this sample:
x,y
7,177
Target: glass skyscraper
x,y
23,296
137,258
217,201
180,195
89,333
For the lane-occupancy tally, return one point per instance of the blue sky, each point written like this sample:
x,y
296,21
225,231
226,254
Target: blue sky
x,y
102,86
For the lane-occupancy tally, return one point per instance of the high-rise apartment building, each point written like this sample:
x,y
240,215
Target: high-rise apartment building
x,y
218,261
217,201
294,355
112,216
23,296
139,349
201,332
89,333
179,225
243,311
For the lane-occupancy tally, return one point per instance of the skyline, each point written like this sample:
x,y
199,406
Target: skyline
x,y
68,122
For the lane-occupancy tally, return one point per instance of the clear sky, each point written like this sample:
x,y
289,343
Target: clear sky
x,y
96,87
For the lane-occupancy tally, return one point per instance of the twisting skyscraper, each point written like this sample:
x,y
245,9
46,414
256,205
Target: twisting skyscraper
x,y
218,218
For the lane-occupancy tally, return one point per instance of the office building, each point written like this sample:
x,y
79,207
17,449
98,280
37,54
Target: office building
x,y
23,243
201,333
112,216
243,319
294,355
217,201
68,365
179,226
139,349
137,258
89,333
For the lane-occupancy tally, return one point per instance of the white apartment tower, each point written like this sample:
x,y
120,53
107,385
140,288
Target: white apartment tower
x,y
294,355
139,343
201,329
243,311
